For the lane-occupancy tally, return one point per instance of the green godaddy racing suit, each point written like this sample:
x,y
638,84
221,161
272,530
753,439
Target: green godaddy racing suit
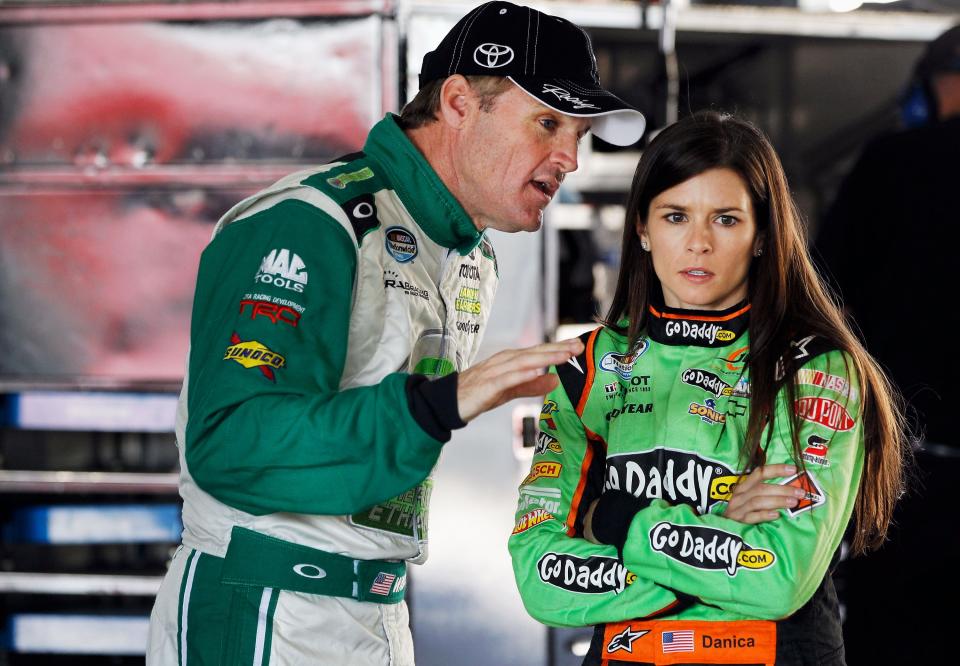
x,y
662,424
306,425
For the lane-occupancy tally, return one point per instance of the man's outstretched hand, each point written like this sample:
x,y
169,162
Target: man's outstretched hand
x,y
513,373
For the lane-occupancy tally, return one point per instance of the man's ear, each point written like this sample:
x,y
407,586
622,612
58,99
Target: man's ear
x,y
456,101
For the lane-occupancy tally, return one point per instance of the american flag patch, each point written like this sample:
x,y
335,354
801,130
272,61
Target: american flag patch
x,y
677,641
383,582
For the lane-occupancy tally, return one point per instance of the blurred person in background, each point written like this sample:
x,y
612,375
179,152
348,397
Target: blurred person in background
x,y
721,429
335,319
888,241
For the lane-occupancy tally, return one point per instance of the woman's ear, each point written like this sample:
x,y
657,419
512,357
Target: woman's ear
x,y
644,236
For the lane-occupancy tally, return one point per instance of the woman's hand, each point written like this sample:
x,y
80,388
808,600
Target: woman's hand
x,y
756,501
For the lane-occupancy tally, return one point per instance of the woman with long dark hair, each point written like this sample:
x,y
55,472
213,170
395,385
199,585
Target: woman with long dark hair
x,y
697,467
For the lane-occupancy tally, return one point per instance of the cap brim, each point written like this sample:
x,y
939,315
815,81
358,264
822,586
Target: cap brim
x,y
613,120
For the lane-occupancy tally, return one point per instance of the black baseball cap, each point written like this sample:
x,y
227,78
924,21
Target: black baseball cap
x,y
941,55
548,57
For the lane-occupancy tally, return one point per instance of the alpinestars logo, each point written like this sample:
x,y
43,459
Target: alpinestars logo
x,y
283,268
624,640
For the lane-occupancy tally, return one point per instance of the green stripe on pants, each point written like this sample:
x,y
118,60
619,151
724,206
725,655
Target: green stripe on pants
x,y
223,624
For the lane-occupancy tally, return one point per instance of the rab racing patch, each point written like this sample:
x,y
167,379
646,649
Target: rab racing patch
x,y
253,354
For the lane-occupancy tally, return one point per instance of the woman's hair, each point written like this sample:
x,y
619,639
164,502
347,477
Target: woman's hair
x,y
788,300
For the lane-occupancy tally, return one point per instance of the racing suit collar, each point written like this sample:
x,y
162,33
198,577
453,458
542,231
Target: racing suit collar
x,y
701,328
420,189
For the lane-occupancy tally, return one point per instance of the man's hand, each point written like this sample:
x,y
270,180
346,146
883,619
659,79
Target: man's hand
x,y
510,374
756,501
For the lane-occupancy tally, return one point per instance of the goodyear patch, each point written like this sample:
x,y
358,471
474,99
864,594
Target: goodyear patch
x,y
543,470
253,354
340,182
532,519
708,548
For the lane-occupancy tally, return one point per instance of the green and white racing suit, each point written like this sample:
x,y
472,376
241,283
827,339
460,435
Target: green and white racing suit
x,y
307,428
664,422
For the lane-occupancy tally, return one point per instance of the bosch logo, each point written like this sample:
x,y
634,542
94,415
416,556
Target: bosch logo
x,y
492,55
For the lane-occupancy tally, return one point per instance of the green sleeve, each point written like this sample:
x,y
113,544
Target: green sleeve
x,y
769,570
268,428
563,579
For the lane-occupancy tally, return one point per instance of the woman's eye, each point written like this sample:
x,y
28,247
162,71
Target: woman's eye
x,y
675,218
727,220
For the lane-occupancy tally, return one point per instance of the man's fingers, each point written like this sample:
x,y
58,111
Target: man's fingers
x,y
768,472
511,374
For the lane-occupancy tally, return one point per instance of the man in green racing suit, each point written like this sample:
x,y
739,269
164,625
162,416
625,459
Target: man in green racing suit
x,y
307,425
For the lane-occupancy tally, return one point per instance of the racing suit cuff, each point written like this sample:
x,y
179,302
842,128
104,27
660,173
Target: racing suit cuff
x,y
613,515
433,404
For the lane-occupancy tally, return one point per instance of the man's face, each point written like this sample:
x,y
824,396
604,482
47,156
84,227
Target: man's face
x,y
510,161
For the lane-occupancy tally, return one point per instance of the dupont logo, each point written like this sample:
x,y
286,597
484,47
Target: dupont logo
x,y
824,411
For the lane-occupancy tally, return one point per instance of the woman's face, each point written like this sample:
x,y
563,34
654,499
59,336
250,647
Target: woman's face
x,y
701,235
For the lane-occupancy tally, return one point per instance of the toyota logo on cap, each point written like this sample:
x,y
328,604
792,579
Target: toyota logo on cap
x,y
496,55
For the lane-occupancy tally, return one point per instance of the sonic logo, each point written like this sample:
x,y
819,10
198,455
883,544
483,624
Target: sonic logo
x,y
532,519
707,412
543,470
252,354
